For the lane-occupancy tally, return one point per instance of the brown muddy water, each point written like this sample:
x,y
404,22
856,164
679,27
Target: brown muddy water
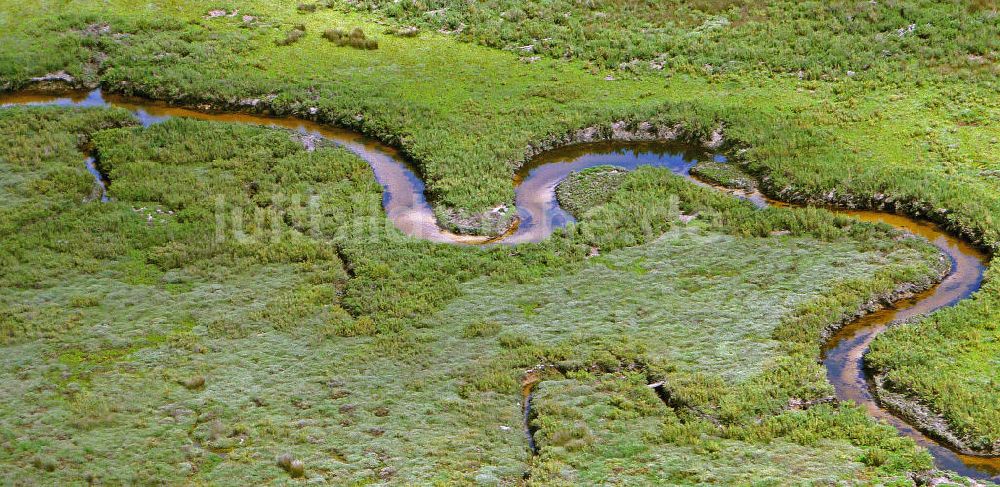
x,y
539,214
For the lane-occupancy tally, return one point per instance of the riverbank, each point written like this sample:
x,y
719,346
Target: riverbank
x,y
928,421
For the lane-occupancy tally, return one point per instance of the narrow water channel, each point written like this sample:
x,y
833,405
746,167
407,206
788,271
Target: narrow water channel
x,y
539,214
843,353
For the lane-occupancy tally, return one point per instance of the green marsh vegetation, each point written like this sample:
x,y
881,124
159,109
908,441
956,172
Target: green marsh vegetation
x,y
834,101
723,174
175,356
817,39
590,188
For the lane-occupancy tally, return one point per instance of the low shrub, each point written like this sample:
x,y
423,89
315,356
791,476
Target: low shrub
x,y
293,36
334,35
513,340
295,468
84,301
44,463
196,382
356,38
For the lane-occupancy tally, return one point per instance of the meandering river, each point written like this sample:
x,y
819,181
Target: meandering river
x,y
539,214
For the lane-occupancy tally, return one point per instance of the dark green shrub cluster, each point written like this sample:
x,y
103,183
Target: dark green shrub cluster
x,y
293,36
363,326
356,38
